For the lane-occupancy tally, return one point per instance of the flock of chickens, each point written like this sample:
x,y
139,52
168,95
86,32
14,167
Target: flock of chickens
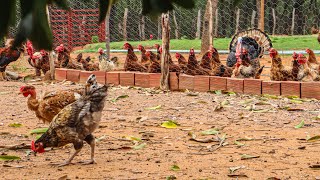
x,y
242,62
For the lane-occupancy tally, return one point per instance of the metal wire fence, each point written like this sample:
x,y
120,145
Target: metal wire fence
x,y
281,17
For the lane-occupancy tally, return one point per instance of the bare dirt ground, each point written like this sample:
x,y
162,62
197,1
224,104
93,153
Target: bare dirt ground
x,y
256,126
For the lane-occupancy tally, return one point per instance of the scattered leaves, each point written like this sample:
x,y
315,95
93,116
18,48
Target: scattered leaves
x,y
154,108
261,110
245,139
293,97
119,97
39,131
247,156
300,125
208,140
169,124
8,158
192,94
234,169
16,125
270,96
294,109
132,138
237,175
314,138
139,146
296,101
175,168
210,132
316,166
238,143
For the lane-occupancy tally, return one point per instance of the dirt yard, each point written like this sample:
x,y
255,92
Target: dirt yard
x,y
131,144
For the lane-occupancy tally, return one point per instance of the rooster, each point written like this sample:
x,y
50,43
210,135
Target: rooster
x,y
155,66
193,67
278,71
8,54
38,60
206,61
105,63
51,103
131,63
86,63
244,67
64,59
75,124
254,40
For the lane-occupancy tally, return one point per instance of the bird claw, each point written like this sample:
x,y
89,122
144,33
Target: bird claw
x,y
60,164
88,162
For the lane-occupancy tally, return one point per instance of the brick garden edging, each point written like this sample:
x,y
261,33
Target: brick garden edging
x,y
196,83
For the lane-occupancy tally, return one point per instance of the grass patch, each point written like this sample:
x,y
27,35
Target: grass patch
x,y
279,42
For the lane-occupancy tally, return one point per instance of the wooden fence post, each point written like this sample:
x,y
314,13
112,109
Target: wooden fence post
x,y
198,25
142,29
210,23
164,84
51,60
125,19
237,20
261,25
107,25
217,23
253,17
176,30
274,21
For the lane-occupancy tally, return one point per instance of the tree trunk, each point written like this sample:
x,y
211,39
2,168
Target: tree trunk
x,y
176,30
207,32
142,28
51,60
198,25
125,19
293,19
217,23
159,27
107,24
261,21
274,21
258,5
237,20
253,17
164,84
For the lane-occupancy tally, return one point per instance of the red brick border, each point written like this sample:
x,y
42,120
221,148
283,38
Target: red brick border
x,y
101,76
235,85
202,83
290,88
186,82
155,79
271,87
127,78
310,90
73,75
60,74
84,76
174,81
218,83
142,80
252,86
112,78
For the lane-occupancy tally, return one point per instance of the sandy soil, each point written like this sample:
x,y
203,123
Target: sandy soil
x,y
283,151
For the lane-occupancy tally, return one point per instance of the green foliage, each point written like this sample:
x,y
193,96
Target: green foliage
x,y
34,23
94,39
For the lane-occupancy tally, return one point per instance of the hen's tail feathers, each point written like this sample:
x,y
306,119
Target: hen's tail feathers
x,y
257,35
79,57
258,74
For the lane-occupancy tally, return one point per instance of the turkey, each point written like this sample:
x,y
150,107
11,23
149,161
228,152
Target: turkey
x,y
256,41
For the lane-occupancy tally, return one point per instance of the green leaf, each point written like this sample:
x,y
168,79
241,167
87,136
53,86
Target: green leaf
x,y
218,92
39,131
8,158
140,146
210,132
234,169
231,93
300,125
192,94
314,138
132,138
119,97
169,124
261,111
270,96
153,108
296,101
15,125
247,156
245,139
175,168
293,97
238,143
